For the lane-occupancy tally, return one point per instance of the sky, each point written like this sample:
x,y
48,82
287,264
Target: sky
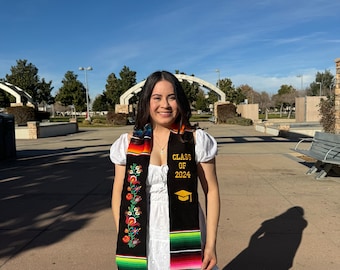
x,y
262,43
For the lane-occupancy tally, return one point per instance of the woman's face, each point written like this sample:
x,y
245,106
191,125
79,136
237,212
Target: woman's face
x,y
163,104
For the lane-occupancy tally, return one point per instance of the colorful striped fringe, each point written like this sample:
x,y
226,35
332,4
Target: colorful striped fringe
x,y
185,250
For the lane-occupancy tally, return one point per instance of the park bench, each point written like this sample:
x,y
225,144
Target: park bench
x,y
323,147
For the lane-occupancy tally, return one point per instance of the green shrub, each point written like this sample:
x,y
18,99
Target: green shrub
x,y
239,121
98,121
327,112
86,122
226,111
119,119
22,114
39,116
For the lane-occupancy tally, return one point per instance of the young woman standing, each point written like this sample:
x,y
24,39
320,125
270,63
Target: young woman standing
x,y
154,200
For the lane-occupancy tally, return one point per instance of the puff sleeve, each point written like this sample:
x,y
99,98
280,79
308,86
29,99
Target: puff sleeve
x,y
118,150
206,146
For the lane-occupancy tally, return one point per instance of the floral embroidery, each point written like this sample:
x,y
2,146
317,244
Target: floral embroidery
x,y
133,212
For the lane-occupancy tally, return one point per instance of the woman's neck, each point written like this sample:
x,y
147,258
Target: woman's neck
x,y
159,130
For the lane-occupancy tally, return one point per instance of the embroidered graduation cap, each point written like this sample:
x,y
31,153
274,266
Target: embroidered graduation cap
x,y
184,195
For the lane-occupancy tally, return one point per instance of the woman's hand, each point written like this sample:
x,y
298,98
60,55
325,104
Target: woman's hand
x,y
209,259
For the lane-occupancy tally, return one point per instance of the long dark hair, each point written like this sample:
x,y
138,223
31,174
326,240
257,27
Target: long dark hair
x,y
143,110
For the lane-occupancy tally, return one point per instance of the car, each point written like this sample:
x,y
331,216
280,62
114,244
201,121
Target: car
x,y
130,120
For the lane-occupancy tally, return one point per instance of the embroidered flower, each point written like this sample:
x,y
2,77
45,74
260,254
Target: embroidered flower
x,y
126,239
135,241
139,169
137,189
135,231
131,221
133,211
129,196
138,212
138,198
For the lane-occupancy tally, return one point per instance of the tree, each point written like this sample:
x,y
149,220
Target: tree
x,y
201,101
264,103
111,93
72,92
4,99
44,92
249,93
285,97
25,76
115,87
127,79
190,89
100,103
233,95
325,81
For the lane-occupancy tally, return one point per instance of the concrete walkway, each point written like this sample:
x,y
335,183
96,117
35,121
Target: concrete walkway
x,y
55,204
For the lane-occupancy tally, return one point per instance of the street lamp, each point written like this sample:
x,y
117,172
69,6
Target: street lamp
x,y
301,76
320,87
87,91
218,82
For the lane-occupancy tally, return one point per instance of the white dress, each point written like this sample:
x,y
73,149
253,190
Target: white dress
x,y
158,246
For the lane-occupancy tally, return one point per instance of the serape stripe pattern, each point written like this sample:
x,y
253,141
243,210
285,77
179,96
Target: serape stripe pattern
x,y
131,263
185,249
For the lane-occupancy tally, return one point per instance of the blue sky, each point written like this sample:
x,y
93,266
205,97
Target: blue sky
x,y
262,43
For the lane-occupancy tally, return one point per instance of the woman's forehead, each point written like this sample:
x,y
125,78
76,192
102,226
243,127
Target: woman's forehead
x,y
163,87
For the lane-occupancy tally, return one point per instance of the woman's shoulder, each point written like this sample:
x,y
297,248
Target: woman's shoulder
x,y
119,147
206,146
202,136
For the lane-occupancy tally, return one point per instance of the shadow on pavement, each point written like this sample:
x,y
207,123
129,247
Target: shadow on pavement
x,y
57,190
252,139
274,244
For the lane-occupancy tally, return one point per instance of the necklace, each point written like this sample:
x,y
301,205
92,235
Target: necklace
x,y
161,147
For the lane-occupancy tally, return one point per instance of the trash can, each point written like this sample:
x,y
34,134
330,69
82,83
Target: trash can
x,y
7,137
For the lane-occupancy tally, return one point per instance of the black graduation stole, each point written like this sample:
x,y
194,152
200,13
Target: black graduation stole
x,y
185,237
131,241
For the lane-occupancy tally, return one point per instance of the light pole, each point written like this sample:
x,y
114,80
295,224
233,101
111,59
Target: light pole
x,y
87,91
320,87
301,76
218,82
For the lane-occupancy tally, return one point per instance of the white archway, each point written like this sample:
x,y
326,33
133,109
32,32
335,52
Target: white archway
x,y
17,92
125,97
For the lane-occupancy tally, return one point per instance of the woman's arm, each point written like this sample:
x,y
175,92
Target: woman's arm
x,y
117,192
208,178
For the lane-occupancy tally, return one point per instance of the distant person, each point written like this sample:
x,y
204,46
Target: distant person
x,y
154,201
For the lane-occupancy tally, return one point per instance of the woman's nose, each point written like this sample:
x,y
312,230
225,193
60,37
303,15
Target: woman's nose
x,y
165,102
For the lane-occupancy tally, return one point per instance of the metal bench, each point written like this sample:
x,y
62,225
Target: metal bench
x,y
325,148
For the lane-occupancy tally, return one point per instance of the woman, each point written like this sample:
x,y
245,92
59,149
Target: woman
x,y
154,199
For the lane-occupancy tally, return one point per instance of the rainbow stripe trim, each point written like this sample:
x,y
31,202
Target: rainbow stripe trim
x,y
140,149
131,263
185,249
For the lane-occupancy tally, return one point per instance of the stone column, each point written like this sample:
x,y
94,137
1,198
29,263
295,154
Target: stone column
x,y
33,129
337,96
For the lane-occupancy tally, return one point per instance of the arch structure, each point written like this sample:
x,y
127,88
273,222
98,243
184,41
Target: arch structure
x,y
125,97
18,93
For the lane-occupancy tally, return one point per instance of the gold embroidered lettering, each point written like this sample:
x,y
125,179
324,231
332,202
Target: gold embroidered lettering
x,y
182,165
182,156
182,174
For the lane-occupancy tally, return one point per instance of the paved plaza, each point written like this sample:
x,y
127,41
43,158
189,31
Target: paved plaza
x,y
55,204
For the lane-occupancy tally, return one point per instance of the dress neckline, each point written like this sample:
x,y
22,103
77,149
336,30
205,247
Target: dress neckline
x,y
160,166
